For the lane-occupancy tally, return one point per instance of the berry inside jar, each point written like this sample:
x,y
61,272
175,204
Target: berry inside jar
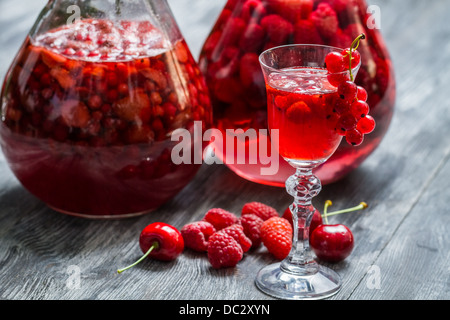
x,y
88,112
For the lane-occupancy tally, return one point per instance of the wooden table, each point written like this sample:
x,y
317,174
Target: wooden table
x,y
403,238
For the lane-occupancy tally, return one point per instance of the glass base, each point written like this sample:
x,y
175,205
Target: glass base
x,y
278,283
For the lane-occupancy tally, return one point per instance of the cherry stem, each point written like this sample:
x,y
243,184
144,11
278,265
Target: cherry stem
x,y
354,46
328,203
155,245
325,209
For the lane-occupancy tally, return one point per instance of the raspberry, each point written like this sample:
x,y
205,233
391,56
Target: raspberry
x,y
305,31
252,228
232,31
253,10
293,10
340,39
326,21
227,89
237,232
196,235
338,5
276,235
277,29
250,70
253,38
260,209
220,218
223,251
298,112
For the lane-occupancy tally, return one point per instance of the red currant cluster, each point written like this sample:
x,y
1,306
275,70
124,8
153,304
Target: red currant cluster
x,y
353,120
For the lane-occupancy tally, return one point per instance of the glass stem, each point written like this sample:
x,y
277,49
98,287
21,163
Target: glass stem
x,y
303,186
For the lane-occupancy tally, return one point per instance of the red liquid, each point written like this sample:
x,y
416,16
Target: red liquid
x,y
229,60
88,112
303,114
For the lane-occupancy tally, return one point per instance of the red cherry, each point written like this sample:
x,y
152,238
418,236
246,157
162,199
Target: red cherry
x,y
160,241
315,222
332,243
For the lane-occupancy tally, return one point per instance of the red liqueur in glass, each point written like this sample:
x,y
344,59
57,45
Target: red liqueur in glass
x,y
300,106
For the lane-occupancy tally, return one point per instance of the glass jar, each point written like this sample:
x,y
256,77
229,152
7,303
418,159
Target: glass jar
x,y
229,61
90,103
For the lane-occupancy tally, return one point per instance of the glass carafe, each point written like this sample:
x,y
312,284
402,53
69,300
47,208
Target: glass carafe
x,y
90,103
229,61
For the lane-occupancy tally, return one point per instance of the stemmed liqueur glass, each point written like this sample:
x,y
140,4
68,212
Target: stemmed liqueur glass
x,y
301,104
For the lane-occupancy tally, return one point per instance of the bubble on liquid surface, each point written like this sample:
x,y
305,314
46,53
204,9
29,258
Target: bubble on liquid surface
x,y
301,80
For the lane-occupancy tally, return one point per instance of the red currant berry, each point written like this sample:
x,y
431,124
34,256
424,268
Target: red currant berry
x,y
362,94
356,56
359,109
341,106
340,131
354,137
366,125
347,91
335,79
335,62
347,121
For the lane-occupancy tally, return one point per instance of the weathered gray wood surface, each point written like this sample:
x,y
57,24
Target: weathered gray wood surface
x,y
403,238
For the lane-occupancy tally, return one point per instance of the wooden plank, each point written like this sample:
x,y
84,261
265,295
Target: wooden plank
x,y
396,176
414,265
